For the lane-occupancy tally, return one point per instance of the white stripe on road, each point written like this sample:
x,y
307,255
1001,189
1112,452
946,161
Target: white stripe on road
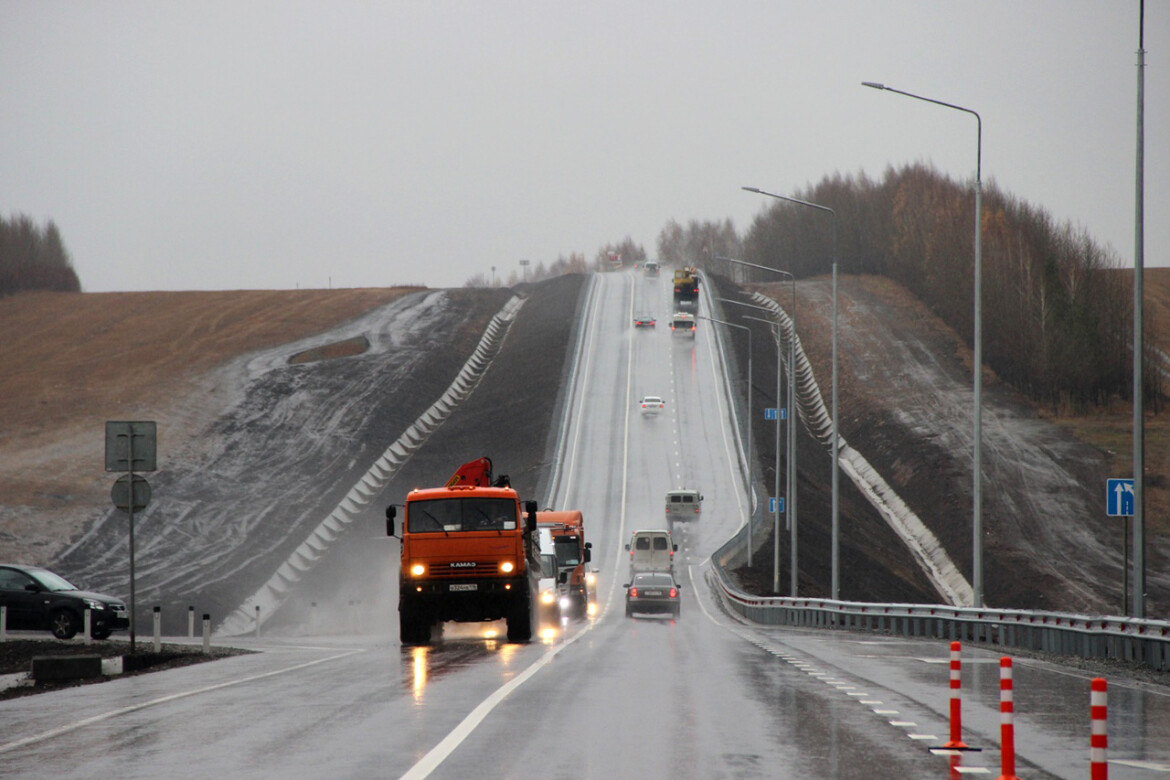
x,y
161,700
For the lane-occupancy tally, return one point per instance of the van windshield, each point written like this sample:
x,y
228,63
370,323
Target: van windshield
x,y
453,515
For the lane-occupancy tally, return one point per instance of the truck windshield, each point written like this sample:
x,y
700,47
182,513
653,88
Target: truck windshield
x,y
453,515
568,549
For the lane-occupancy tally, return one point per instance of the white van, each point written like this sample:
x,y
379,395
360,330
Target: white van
x,y
651,551
683,505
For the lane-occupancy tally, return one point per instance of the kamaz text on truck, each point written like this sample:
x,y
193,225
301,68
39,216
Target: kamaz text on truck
x,y
566,528
469,553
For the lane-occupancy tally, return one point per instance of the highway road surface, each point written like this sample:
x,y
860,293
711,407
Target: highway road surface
x,y
703,696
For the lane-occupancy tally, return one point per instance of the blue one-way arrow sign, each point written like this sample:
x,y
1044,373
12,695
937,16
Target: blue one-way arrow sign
x,y
1119,498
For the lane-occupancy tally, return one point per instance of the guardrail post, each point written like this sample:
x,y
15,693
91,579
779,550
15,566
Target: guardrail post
x,y
86,624
158,629
3,624
956,740
257,620
190,622
1099,738
206,633
1007,731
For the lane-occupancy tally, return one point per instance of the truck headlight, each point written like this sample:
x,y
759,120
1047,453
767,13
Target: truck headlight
x,y
548,597
506,567
418,570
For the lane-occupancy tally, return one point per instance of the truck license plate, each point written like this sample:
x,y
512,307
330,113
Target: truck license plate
x,y
464,586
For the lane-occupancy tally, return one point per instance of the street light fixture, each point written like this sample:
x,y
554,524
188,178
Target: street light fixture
x,y
791,491
835,451
977,512
750,458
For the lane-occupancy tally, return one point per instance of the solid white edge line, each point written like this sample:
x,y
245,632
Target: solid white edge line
x,y
162,700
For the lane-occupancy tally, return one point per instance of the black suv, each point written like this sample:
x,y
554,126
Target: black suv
x,y
39,600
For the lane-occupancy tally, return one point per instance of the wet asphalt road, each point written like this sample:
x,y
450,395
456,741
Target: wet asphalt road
x,y
702,696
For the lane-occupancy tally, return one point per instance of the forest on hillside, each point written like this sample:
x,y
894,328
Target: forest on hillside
x,y
34,258
1056,325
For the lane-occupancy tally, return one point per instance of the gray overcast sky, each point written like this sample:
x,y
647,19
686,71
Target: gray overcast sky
x,y
227,145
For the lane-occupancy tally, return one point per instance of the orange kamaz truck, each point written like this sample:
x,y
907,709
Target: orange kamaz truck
x,y
567,530
469,553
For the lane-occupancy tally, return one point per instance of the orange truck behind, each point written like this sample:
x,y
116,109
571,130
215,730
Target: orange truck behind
x,y
469,553
567,528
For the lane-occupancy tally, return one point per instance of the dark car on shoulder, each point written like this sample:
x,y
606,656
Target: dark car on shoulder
x,y
652,591
39,600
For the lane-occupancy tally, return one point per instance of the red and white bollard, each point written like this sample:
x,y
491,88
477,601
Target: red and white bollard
x,y
1099,741
1007,729
956,741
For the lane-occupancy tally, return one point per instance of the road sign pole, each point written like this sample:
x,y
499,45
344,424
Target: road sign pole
x,y
1125,568
130,510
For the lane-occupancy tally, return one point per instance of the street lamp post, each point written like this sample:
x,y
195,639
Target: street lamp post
x,y
835,451
977,511
751,478
792,473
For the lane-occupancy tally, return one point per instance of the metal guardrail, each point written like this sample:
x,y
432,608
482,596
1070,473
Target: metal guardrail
x,y
1129,639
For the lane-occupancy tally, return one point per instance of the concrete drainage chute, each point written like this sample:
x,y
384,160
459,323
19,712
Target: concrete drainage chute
x,y
928,552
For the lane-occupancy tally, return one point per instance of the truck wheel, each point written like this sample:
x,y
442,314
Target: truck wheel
x,y
413,628
520,623
64,624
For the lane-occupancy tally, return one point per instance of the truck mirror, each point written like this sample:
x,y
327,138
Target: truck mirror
x,y
627,547
588,553
530,516
675,547
391,512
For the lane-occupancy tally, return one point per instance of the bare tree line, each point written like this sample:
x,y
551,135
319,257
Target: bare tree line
x,y
1056,325
34,258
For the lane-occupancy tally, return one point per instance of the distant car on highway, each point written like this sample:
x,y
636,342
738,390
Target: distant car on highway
x,y
683,323
653,591
651,268
39,600
644,321
651,405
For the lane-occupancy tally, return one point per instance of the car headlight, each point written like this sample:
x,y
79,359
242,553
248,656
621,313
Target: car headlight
x,y
590,578
93,604
506,567
418,570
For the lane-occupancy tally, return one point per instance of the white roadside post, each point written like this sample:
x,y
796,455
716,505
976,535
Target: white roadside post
x,y
158,629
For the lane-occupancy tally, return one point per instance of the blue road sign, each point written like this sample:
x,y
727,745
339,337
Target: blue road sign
x,y
769,413
1119,497
772,505
784,413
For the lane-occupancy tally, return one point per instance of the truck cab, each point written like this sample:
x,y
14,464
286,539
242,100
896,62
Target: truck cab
x,y
468,554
